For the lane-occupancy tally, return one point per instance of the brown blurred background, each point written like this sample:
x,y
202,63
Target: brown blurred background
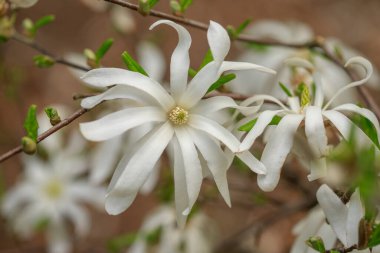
x,y
355,22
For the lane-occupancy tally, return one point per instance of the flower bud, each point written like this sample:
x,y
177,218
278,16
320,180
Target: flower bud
x,y
29,146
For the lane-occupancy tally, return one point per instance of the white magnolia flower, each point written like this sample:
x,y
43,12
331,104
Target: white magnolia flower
x,y
311,111
51,193
197,237
343,223
181,118
333,76
23,3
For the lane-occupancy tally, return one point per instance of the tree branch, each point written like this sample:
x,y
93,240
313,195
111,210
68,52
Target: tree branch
x,y
46,134
318,42
31,43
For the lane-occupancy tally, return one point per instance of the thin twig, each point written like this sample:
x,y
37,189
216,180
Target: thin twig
x,y
31,43
46,134
318,42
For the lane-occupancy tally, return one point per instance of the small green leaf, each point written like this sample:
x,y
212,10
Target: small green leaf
x,y
221,81
207,59
121,242
285,89
103,49
374,239
131,64
43,61
53,115
242,26
43,21
144,7
175,6
42,224
152,3
192,72
185,4
316,243
249,125
368,128
235,32
153,237
31,123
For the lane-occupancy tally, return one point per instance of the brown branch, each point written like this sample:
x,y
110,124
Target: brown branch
x,y
318,42
46,134
31,43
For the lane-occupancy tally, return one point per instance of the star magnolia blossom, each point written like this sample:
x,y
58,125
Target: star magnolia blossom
x,y
343,222
181,120
50,192
313,115
197,237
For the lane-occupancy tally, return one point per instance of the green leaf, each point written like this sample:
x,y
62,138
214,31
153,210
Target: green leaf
x,y
207,59
152,3
144,7
43,61
175,6
368,128
374,239
153,237
242,26
131,64
192,72
185,4
221,81
249,125
43,21
316,243
235,32
31,123
53,115
285,89
121,242
103,49
258,47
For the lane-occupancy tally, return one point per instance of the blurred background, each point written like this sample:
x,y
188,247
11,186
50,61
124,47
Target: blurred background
x,y
77,26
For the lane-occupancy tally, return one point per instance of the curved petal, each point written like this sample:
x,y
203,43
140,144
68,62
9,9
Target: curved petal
x,y
218,40
78,216
58,239
363,112
15,198
315,130
213,104
262,122
335,211
118,91
180,62
354,60
199,85
277,149
252,162
193,169
231,65
355,214
216,161
260,98
119,122
215,130
135,168
84,192
180,192
104,77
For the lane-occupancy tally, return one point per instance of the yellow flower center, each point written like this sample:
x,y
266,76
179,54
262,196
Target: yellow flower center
x,y
178,116
53,189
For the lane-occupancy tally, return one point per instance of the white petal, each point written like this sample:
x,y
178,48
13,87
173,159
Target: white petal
x,y
151,59
355,214
336,212
252,162
199,85
261,98
363,112
262,122
318,168
215,130
180,192
354,60
180,62
216,161
119,122
193,169
84,192
213,104
16,197
277,149
218,40
315,130
58,239
318,99
104,158
294,104
230,65
345,127
119,91
134,169
104,77
78,216
152,180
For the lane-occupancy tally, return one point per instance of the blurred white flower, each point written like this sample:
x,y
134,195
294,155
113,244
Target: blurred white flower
x,y
181,120
122,19
310,109
23,3
333,77
198,236
49,193
95,5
